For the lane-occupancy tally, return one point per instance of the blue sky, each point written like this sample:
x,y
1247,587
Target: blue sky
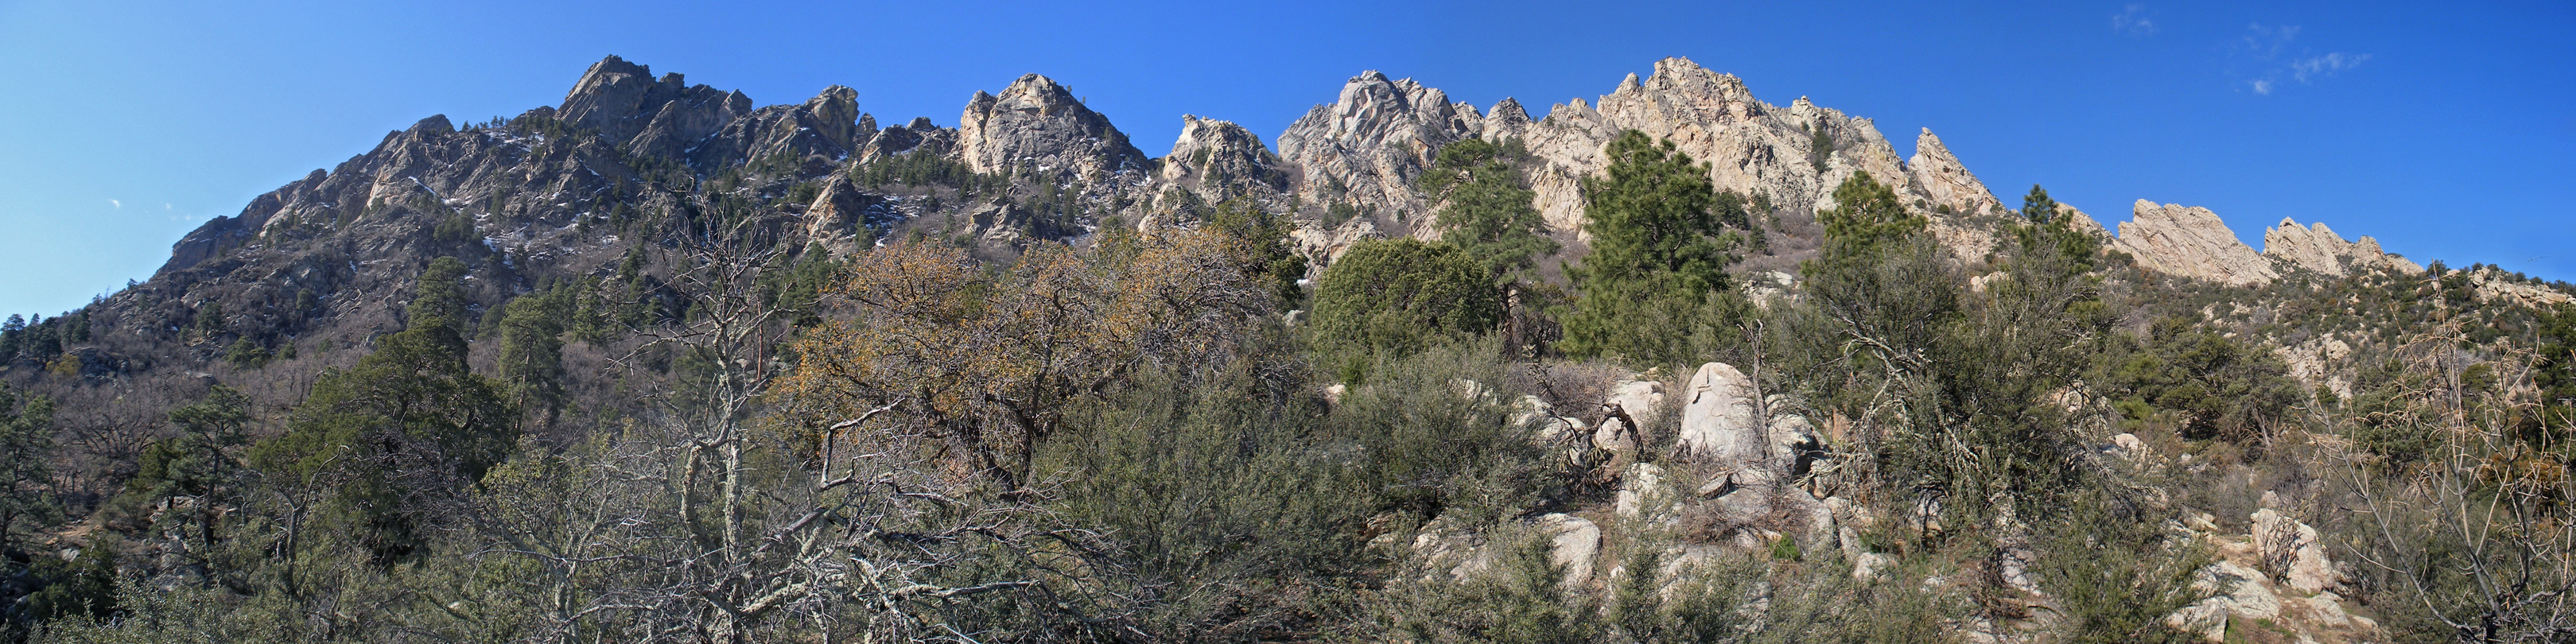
x,y
2446,130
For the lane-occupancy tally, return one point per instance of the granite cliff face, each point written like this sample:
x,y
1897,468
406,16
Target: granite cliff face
x,y
2190,242
1038,124
1945,181
666,117
1367,147
1750,146
2319,249
1219,160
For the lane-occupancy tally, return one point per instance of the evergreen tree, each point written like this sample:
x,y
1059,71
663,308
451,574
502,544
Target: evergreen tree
x,y
531,360
441,297
408,427
1262,240
26,454
1657,271
1488,210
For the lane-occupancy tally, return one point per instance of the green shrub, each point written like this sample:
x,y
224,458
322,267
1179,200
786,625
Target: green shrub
x,y
1392,298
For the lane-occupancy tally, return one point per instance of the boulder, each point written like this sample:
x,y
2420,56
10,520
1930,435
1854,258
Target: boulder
x,y
2240,590
2295,547
1720,424
1640,401
1795,444
1644,488
1577,543
1541,417
1615,435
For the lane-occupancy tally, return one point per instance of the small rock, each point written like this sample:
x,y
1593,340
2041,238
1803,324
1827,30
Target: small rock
x,y
1644,483
1871,566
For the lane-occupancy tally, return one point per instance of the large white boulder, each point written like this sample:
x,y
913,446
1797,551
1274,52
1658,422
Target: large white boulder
x,y
1720,424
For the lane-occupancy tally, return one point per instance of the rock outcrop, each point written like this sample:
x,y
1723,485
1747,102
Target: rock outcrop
x,y
2319,249
1367,147
1946,182
2191,242
1038,124
2492,285
666,117
820,132
1221,160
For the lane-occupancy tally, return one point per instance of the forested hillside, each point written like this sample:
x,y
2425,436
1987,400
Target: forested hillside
x,y
1675,365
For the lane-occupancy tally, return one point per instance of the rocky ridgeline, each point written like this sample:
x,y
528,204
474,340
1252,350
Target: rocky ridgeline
x,y
2193,242
532,191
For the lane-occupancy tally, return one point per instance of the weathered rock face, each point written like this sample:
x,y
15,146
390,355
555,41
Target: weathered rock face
x,y
1038,123
918,136
1944,181
843,217
2080,221
1221,160
1366,148
2319,249
2492,286
2191,242
819,131
666,117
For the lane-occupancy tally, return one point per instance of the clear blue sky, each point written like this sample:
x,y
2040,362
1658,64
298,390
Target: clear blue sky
x,y
2447,130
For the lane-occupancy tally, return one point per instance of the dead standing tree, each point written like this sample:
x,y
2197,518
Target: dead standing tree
x,y
2480,534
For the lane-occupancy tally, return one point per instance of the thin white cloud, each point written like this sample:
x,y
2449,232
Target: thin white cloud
x,y
2326,65
2267,42
2269,52
119,205
2134,21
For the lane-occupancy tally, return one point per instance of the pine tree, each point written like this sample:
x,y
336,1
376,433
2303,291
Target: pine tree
x,y
1659,255
1487,207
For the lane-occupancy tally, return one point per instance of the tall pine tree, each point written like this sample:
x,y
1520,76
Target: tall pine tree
x,y
1656,279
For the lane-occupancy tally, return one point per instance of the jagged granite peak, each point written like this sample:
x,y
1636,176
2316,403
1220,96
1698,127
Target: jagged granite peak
x,y
1506,120
817,131
2190,242
1220,160
1367,147
2318,248
667,117
918,135
1038,122
1945,181
1751,147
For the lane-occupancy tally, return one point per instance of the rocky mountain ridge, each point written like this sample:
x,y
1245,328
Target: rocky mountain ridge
x,y
548,191
1365,150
